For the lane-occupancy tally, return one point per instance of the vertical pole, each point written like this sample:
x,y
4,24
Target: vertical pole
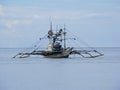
x,y
51,25
64,37
50,39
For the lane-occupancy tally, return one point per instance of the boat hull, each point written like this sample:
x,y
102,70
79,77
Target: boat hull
x,y
56,56
63,54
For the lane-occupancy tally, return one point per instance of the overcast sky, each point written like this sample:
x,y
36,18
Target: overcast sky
x,y
97,22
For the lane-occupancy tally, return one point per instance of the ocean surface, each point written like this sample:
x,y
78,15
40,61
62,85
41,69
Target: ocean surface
x,y
73,73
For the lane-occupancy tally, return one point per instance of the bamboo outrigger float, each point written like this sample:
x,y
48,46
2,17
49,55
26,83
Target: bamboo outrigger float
x,y
57,47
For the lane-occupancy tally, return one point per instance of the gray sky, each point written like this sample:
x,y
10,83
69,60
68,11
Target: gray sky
x,y
97,22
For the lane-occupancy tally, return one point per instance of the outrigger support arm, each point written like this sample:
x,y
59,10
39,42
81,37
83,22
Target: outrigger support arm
x,y
87,53
25,55
22,55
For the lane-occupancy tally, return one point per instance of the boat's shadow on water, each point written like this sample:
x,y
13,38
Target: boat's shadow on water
x,y
41,60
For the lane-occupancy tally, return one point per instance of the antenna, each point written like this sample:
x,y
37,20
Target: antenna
x,y
50,21
56,28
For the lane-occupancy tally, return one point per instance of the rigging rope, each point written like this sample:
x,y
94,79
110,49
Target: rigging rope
x,y
34,46
79,39
93,49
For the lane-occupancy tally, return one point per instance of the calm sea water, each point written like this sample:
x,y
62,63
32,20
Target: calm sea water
x,y
74,73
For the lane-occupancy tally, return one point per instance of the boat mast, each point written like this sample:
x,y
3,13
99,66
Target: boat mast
x,y
50,33
51,25
64,33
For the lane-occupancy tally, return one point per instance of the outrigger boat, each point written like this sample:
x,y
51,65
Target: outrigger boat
x,y
57,47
